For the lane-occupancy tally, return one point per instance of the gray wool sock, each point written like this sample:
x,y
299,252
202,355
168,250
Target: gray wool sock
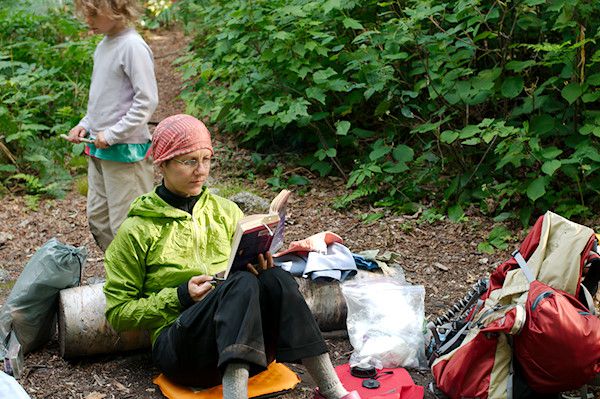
x,y
321,370
235,381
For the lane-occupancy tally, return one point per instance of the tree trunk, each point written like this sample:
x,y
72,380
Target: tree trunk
x,y
84,330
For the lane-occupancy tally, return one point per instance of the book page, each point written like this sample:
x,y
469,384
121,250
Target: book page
x,y
279,205
280,201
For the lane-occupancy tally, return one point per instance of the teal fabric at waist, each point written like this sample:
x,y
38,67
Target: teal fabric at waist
x,y
120,152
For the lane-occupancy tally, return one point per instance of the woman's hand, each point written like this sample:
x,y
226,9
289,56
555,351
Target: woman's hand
x,y
265,261
199,286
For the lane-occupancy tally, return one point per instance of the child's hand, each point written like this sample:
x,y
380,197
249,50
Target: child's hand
x,y
199,286
100,142
76,133
265,262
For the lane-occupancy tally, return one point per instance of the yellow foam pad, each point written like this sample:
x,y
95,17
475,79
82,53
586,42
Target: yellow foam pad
x,y
276,378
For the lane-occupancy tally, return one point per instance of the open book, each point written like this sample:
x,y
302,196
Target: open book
x,y
257,234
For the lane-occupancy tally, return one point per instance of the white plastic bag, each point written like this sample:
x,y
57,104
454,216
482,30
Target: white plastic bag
x,y
385,322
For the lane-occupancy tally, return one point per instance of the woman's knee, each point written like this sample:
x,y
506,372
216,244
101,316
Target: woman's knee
x,y
277,279
243,283
277,276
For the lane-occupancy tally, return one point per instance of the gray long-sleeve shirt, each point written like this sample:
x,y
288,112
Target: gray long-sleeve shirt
x,y
123,92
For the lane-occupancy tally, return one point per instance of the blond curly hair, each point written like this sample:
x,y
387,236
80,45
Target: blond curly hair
x,y
124,11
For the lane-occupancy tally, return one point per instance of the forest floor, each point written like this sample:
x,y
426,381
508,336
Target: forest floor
x,y
440,255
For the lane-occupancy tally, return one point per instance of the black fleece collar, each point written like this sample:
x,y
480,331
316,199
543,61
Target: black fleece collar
x,y
184,203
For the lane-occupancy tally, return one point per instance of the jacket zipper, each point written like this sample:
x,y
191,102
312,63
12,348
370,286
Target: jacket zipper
x,y
196,232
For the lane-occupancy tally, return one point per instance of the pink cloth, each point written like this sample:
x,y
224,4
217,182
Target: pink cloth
x,y
351,395
178,135
315,243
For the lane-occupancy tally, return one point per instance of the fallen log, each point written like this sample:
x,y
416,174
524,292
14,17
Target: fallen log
x,y
84,330
326,302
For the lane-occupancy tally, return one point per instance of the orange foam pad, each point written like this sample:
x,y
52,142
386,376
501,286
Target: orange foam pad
x,y
276,378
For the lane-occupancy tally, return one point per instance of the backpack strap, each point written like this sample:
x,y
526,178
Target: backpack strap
x,y
510,384
523,265
449,343
588,298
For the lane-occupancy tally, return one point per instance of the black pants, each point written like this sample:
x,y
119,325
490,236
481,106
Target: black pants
x,y
246,319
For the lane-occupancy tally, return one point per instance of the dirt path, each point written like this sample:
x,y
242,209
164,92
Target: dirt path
x,y
442,256
167,46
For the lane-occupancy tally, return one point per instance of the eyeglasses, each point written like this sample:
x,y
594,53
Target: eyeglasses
x,y
193,163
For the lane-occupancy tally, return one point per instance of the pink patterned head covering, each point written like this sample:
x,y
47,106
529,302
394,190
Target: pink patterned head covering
x,y
177,135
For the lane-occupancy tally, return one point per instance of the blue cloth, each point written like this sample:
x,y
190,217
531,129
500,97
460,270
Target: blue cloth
x,y
292,263
364,263
121,152
337,264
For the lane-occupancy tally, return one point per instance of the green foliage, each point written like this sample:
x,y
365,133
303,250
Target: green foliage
x,y
369,218
45,67
497,240
456,213
81,185
33,185
158,13
447,102
32,202
280,180
431,215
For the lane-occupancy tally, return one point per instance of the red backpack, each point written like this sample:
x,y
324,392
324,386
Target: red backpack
x,y
531,314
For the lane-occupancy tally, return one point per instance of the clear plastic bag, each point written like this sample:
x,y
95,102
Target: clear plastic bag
x,y
10,388
30,309
385,322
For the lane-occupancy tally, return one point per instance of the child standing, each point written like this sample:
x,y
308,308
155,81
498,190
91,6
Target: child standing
x,y
123,96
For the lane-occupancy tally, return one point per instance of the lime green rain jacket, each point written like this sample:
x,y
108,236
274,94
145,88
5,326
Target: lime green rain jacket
x,y
159,247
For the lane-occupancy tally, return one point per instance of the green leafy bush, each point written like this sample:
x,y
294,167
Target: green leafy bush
x,y
157,13
457,102
45,67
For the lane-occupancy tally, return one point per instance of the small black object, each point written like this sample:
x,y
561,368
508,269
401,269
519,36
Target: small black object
x,y
363,372
370,383
216,280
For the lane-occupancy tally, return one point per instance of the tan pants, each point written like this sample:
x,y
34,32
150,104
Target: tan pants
x,y
112,186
